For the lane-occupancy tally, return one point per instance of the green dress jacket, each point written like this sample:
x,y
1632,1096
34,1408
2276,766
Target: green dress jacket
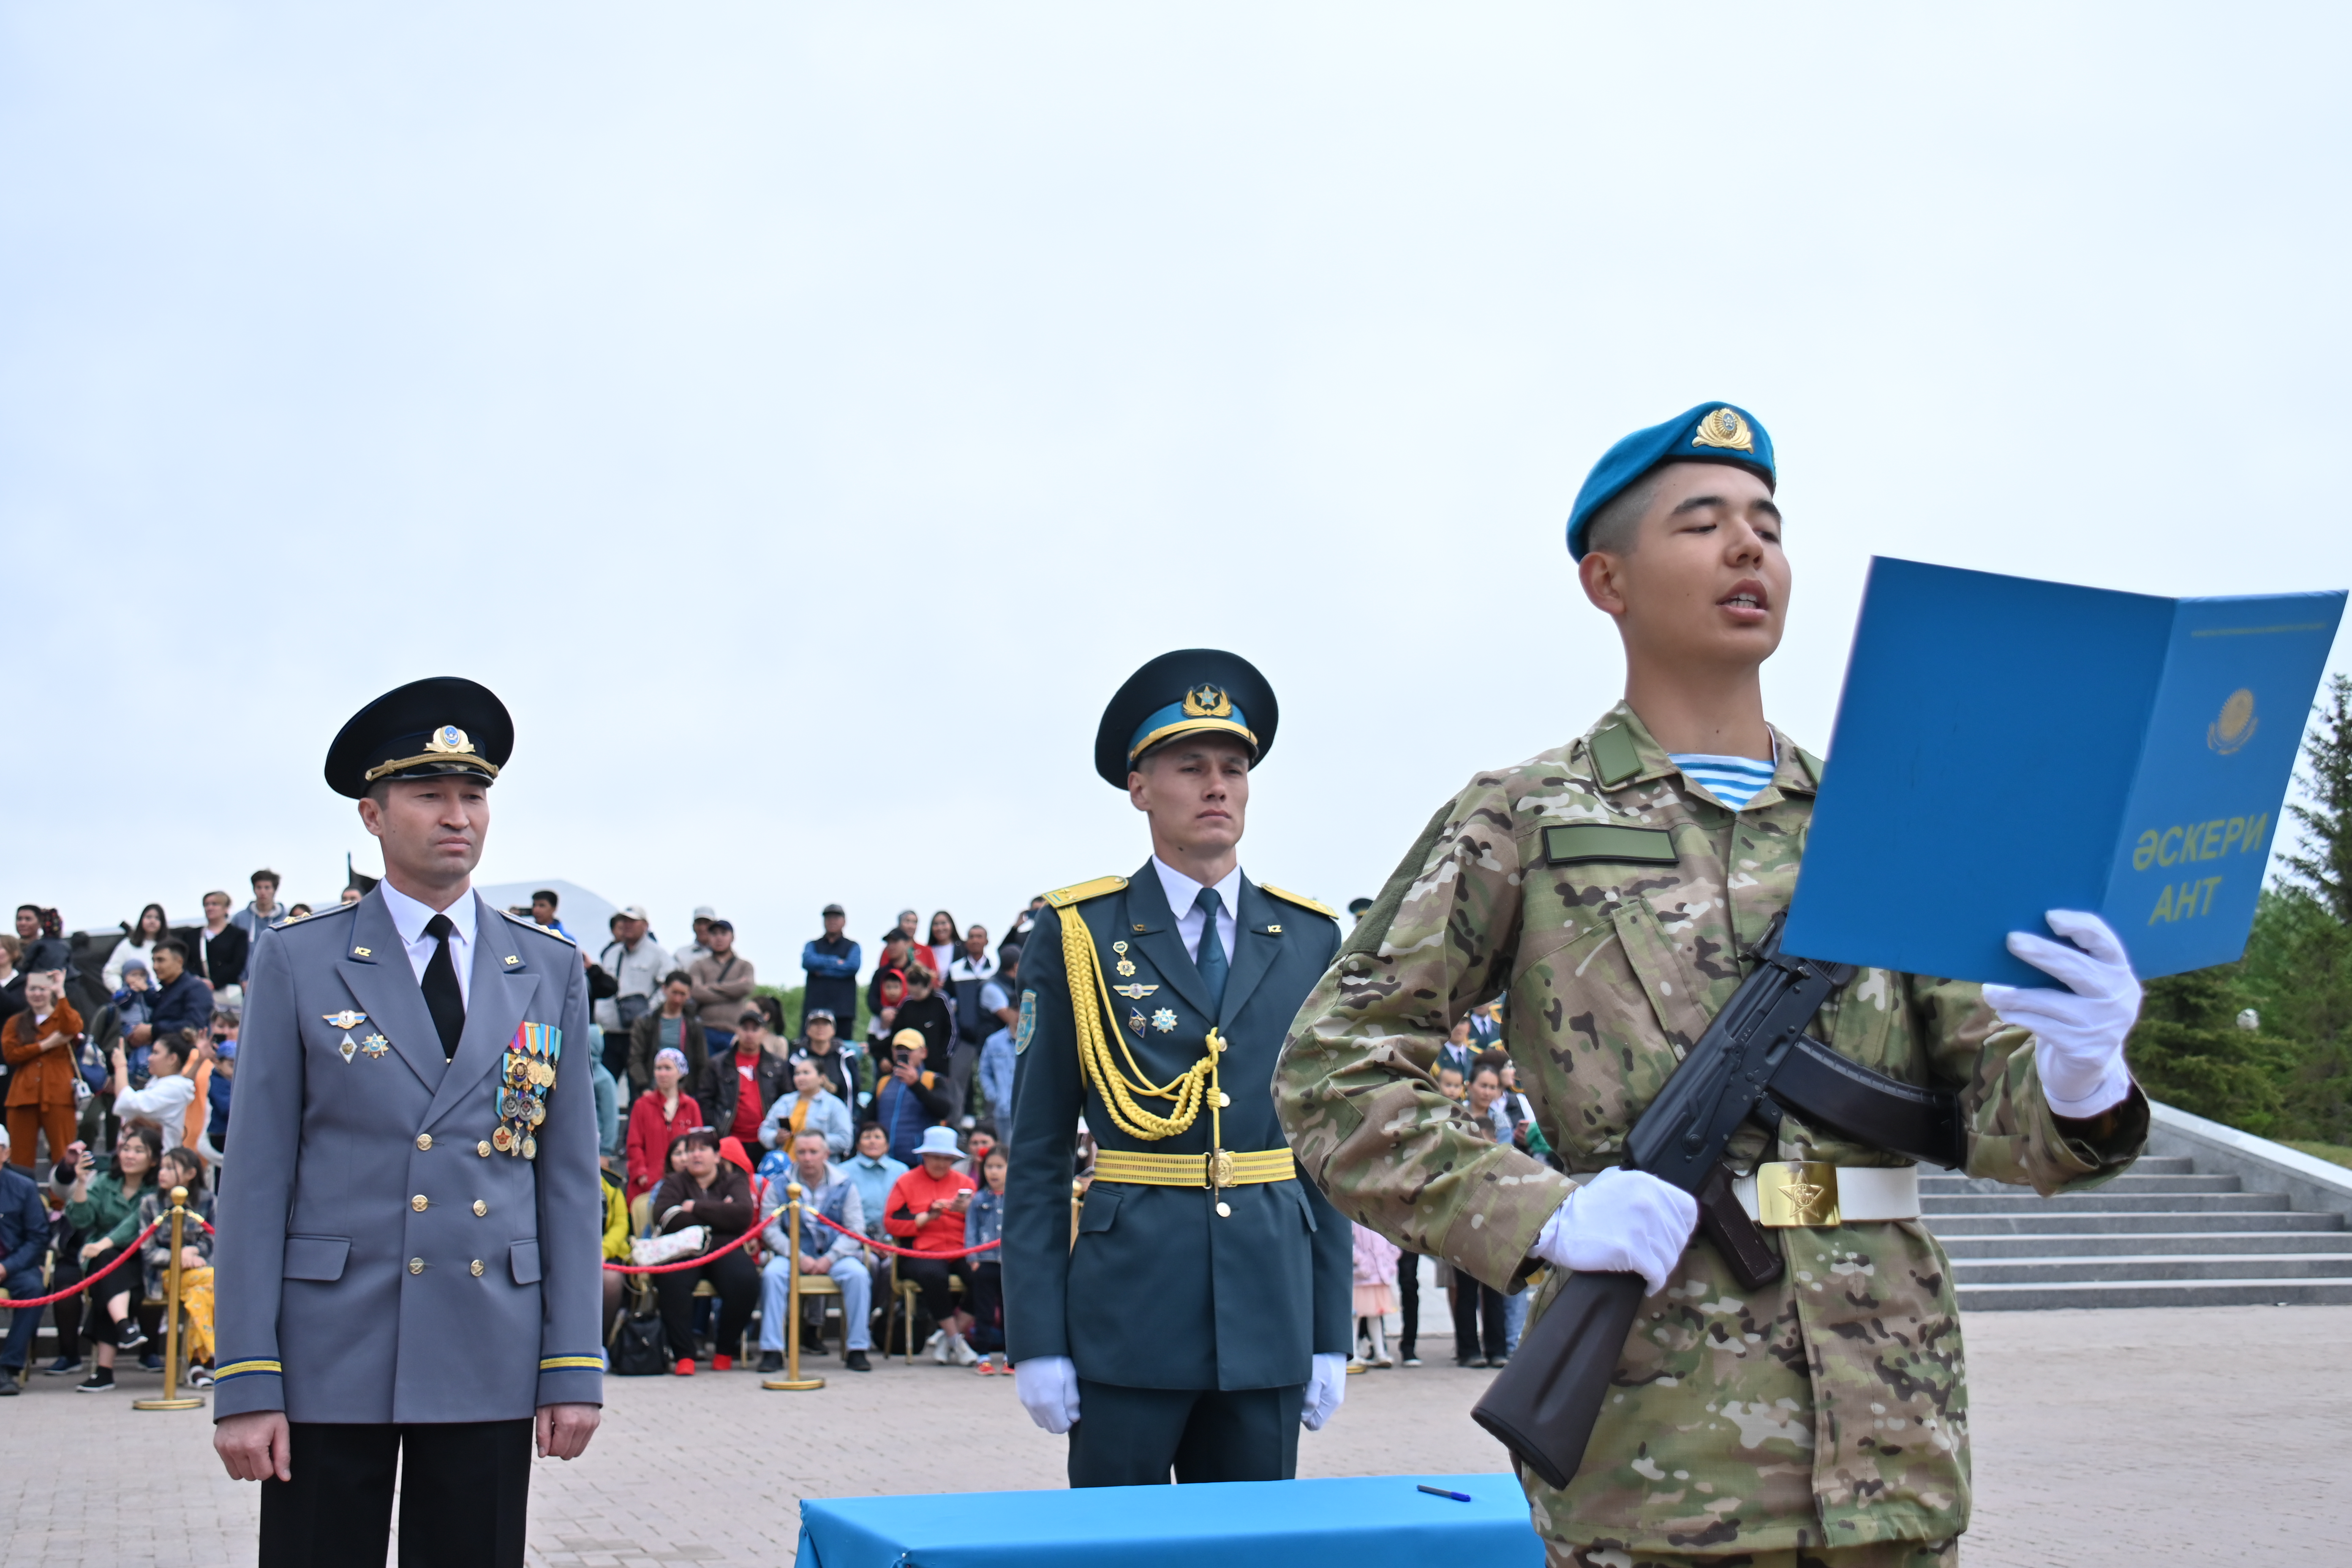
x,y
1158,1289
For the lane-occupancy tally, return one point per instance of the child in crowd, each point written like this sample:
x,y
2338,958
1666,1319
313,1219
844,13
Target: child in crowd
x,y
1376,1265
985,1224
182,1167
1450,1081
134,1001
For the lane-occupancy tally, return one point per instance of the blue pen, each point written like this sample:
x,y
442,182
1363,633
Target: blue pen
x,y
1441,1491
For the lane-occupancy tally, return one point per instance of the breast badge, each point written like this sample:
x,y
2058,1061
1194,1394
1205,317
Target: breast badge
x,y
1164,1020
1135,1020
1126,964
375,1046
1135,992
526,1079
347,1020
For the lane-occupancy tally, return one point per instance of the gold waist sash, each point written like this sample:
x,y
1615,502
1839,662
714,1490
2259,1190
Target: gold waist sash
x,y
1220,1168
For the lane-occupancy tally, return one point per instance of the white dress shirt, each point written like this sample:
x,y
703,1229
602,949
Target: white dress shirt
x,y
408,918
1183,900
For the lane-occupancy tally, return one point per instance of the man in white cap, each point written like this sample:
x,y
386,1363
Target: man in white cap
x,y
636,963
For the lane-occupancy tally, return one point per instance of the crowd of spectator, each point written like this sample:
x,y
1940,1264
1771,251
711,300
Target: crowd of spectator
x,y
881,1100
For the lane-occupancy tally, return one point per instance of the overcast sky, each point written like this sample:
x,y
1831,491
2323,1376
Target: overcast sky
x,y
805,417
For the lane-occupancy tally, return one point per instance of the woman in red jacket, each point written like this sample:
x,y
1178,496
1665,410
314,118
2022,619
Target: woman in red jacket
x,y
925,1211
660,1115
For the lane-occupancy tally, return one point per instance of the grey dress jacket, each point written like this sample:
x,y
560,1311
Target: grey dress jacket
x,y
379,1258
1158,1290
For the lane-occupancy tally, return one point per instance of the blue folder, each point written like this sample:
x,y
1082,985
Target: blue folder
x,y
2006,746
1364,1521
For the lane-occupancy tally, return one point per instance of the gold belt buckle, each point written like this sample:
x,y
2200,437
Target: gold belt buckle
x,y
1790,1193
1222,1168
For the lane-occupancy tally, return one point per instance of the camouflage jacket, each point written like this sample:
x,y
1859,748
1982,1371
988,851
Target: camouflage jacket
x,y
1827,1408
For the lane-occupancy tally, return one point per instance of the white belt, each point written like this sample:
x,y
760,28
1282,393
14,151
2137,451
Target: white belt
x,y
1813,1193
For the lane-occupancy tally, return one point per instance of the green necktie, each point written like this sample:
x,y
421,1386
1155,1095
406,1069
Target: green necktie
x,y
1211,959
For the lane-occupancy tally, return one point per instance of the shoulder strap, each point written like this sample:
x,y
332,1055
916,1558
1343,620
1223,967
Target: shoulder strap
x,y
1301,900
1063,897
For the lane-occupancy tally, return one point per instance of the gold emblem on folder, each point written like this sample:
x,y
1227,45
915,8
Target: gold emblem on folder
x,y
2236,725
1725,429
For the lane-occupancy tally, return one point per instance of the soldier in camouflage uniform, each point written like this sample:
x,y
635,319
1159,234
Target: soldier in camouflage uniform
x,y
1823,1418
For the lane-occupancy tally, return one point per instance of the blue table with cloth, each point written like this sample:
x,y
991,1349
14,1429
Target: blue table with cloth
x,y
1364,1521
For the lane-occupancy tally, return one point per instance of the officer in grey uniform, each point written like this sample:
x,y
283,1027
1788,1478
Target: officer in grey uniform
x,y
1201,1313
409,1230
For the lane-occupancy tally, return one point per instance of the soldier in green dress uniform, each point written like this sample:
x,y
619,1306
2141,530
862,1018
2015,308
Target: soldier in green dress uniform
x,y
1201,1314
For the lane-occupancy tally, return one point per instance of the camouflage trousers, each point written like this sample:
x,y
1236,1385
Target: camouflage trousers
x,y
1883,1554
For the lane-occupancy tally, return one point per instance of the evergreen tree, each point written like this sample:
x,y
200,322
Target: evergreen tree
x,y
2326,864
2188,1050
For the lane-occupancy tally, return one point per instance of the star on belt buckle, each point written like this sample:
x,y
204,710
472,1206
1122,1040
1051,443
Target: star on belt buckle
x,y
1795,1193
1222,1168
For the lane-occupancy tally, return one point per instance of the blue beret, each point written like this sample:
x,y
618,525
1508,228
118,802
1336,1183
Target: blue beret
x,y
1710,433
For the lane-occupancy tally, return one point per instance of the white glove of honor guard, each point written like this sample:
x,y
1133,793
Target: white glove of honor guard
x,y
1620,1221
2078,1033
1048,1387
1326,1386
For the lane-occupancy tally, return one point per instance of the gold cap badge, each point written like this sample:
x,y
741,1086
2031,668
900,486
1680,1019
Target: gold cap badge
x,y
1207,702
1726,429
450,741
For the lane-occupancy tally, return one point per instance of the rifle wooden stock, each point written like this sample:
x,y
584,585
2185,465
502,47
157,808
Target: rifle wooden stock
x,y
1543,1404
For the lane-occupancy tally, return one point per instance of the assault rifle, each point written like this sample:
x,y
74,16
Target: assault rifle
x,y
1754,1060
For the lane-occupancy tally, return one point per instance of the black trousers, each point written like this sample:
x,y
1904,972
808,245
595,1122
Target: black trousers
x,y
931,1276
1408,1301
1475,1306
1135,1436
988,1306
737,1285
463,1489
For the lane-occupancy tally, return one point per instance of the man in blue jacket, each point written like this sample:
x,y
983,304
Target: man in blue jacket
x,y
182,1001
24,1232
831,962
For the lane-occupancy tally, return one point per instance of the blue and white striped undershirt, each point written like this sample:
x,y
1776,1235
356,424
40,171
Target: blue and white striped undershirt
x,y
1734,781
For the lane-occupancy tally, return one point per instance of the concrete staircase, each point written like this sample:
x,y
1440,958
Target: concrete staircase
x,y
2161,1236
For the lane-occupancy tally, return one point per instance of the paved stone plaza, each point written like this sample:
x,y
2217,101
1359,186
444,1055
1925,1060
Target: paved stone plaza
x,y
2178,1436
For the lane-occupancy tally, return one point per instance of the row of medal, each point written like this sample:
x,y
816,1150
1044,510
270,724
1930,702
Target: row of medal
x,y
527,1077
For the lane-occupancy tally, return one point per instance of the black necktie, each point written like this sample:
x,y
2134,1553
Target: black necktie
x,y
442,997
1211,958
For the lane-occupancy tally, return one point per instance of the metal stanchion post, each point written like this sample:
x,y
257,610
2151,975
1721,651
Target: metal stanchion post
x,y
173,1399
792,1380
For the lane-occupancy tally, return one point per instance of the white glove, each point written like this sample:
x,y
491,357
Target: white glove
x,y
1620,1221
1326,1386
1048,1387
2078,1033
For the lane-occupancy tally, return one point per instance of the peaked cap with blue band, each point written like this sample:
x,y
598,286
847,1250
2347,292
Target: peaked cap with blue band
x,y
1710,433
1182,693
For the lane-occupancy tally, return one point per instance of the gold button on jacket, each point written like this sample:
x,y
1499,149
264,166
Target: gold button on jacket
x,y
417,1266
425,1140
483,1148
418,1203
477,1268
481,1208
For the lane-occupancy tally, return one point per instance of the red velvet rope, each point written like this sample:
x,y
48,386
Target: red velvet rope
x,y
699,1258
905,1251
88,1280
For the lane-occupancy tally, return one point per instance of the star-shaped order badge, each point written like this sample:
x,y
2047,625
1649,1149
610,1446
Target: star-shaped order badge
x,y
1164,1020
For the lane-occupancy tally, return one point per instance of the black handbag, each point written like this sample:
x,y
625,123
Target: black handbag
x,y
638,1348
